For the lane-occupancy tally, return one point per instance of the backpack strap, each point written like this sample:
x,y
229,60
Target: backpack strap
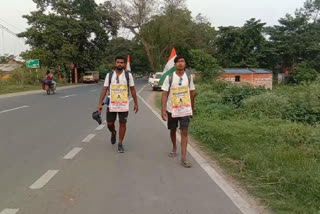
x,y
170,82
128,80
126,73
110,77
189,77
171,79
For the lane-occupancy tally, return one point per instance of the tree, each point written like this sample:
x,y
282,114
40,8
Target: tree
x,y
205,64
5,58
69,31
172,28
124,47
241,46
296,38
133,14
304,73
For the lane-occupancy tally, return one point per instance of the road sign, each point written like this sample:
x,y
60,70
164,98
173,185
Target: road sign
x,y
34,63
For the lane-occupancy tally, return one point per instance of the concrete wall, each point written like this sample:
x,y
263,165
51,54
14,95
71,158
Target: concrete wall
x,y
254,79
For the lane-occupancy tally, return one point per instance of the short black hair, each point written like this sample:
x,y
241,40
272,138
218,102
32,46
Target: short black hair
x,y
177,58
119,57
48,71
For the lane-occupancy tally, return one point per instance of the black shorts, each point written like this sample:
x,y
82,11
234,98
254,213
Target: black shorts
x,y
173,122
112,116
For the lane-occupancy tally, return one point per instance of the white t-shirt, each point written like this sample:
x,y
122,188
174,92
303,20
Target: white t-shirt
x,y
175,82
122,79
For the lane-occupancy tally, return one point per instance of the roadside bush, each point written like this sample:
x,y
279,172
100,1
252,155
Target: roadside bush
x,y
22,76
266,104
235,94
304,73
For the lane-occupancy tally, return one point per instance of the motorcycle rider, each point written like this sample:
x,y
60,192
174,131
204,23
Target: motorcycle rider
x,y
49,79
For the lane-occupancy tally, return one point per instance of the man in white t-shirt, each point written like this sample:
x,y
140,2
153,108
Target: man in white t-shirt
x,y
120,82
169,111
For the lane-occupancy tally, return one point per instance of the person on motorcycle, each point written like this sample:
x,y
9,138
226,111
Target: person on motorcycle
x,y
49,79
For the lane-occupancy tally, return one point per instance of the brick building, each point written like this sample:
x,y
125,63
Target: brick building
x,y
254,76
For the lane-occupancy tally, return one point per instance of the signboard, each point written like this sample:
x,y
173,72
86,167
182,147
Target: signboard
x,y
34,63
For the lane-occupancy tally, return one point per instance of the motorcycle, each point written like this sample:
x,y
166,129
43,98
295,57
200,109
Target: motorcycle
x,y
49,87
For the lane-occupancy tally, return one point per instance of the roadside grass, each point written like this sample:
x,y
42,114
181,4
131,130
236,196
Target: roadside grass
x,y
13,88
274,158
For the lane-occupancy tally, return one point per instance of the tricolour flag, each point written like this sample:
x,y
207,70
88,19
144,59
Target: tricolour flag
x,y
128,67
169,68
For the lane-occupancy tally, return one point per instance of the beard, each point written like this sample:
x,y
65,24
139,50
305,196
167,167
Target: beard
x,y
120,67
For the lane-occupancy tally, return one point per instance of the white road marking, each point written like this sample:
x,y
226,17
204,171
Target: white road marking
x,y
72,153
44,179
142,89
71,95
94,90
9,211
88,138
100,127
239,201
13,109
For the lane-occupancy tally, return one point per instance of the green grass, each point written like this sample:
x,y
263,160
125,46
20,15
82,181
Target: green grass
x,y
158,100
275,159
8,88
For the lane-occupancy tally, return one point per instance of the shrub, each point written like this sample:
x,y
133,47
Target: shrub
x,y
304,73
236,94
266,104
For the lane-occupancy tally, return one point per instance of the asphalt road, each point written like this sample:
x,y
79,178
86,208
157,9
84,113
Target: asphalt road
x,y
55,159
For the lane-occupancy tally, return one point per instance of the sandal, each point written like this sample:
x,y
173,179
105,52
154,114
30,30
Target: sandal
x,y
172,154
186,164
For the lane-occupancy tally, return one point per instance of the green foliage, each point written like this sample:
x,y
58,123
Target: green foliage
x,y
23,76
5,58
123,47
205,64
266,105
276,159
296,38
75,32
236,94
241,46
304,73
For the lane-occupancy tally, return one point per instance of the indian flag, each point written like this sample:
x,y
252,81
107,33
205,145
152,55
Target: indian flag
x,y
128,67
169,68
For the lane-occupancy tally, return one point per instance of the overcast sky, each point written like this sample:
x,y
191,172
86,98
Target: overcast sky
x,y
219,13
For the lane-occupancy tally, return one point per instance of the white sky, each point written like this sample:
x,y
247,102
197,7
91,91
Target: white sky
x,y
219,13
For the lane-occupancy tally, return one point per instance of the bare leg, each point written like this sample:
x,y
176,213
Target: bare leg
x,y
122,132
173,135
111,127
184,143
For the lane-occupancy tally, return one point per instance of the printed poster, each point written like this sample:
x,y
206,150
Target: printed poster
x,y
181,102
119,101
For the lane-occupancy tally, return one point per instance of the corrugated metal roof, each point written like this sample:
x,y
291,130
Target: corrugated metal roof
x,y
237,70
9,67
261,71
246,71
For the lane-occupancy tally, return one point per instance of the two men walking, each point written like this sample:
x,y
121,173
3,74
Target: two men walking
x,y
177,103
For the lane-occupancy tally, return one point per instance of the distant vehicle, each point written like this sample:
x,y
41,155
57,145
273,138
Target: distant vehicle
x,y
90,76
154,80
49,86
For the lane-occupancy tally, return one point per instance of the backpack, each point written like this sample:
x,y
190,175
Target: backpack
x,y
171,79
126,73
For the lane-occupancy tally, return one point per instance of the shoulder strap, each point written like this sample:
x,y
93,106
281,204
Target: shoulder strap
x,y
170,80
189,77
128,80
110,77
